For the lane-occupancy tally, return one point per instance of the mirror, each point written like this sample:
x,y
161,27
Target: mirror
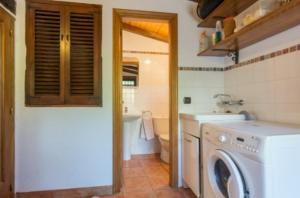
x,y
130,72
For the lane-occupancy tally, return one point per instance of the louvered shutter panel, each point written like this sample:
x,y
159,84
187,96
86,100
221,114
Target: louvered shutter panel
x,y
63,54
84,57
44,71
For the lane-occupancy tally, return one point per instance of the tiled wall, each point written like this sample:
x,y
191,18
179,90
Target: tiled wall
x,y
152,93
270,88
199,83
153,89
200,86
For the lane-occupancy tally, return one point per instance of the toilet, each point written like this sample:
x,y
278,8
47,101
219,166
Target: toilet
x,y
161,129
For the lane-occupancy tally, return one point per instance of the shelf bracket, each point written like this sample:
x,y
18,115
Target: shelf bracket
x,y
233,54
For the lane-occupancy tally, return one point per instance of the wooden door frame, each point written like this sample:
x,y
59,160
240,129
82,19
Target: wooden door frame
x,y
171,19
8,109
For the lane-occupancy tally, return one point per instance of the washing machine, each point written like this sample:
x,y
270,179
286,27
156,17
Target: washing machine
x,y
191,145
251,159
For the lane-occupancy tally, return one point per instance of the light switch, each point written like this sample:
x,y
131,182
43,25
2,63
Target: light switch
x,y
187,100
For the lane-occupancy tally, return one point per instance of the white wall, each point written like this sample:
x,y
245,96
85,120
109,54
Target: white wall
x,y
270,88
72,147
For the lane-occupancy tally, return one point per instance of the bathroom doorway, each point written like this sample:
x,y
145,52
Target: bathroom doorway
x,y
130,70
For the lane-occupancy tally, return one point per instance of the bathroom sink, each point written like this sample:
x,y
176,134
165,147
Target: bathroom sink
x,y
130,117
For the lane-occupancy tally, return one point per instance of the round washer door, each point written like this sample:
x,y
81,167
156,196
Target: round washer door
x,y
224,176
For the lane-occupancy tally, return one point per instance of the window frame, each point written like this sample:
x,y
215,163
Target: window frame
x,y
134,78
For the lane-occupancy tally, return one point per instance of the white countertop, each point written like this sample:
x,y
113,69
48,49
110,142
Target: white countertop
x,y
203,117
260,128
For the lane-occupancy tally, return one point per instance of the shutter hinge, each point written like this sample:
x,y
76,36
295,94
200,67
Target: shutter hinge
x,y
11,32
11,188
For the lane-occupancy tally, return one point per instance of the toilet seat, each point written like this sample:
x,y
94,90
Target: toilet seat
x,y
164,137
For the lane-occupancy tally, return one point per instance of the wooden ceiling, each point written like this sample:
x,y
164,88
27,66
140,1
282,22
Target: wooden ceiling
x,y
154,30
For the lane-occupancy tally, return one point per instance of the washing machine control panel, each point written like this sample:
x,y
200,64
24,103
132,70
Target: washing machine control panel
x,y
241,142
246,143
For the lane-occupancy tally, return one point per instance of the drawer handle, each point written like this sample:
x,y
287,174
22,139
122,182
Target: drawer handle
x,y
187,140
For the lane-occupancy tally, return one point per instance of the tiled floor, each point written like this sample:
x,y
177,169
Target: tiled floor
x,y
146,176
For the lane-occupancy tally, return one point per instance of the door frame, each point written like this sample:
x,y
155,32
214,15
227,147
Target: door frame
x,y
7,123
172,20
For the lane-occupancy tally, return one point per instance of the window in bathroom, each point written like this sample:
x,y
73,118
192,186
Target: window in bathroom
x,y
63,54
130,72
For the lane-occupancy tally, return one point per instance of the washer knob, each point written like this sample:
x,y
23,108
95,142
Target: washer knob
x,y
222,138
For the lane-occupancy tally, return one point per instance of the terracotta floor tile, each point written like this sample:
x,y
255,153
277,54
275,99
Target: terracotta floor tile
x,y
165,166
153,171
133,172
149,194
37,195
120,195
159,182
169,194
137,184
146,176
151,162
188,193
133,163
146,156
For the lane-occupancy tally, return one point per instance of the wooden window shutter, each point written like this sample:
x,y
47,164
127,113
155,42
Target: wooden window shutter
x,y
63,54
45,55
84,61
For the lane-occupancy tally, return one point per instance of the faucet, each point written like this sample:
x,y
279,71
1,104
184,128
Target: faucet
x,y
230,101
222,95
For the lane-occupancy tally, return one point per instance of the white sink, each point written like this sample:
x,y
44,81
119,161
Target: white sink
x,y
130,117
129,125
212,116
192,123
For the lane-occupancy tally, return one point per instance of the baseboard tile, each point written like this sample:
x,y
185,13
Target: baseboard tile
x,y
68,193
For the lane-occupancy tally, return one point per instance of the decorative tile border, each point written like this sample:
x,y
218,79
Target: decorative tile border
x,y
281,52
212,69
284,51
145,52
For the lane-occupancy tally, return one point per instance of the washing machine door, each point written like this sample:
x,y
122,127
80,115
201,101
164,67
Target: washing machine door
x,y
225,178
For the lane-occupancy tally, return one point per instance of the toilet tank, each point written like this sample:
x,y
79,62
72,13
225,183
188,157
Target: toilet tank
x,y
161,125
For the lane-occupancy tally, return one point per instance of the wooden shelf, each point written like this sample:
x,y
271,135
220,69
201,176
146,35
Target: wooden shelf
x,y
277,21
225,9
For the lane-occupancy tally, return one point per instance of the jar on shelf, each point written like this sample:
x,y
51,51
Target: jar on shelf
x,y
229,26
204,41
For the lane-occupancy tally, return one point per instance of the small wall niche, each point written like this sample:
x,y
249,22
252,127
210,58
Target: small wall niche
x,y
130,72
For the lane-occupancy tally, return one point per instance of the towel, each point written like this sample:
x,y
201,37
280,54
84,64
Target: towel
x,y
147,130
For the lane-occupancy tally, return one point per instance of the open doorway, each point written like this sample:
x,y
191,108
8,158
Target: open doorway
x,y
129,20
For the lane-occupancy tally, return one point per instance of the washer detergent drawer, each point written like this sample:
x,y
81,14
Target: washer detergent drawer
x,y
191,162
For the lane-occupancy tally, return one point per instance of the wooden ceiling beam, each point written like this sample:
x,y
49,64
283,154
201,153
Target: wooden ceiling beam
x,y
145,33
